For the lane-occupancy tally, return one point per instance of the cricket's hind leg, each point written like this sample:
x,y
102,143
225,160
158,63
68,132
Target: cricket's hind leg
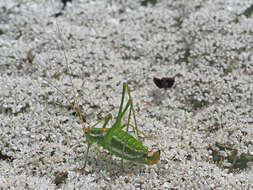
x,y
131,113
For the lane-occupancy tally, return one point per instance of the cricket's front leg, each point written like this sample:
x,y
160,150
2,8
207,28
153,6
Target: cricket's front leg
x,y
86,159
106,119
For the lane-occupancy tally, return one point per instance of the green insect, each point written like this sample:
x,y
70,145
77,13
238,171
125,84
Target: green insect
x,y
118,142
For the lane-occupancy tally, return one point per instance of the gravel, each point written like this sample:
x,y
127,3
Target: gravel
x,y
52,57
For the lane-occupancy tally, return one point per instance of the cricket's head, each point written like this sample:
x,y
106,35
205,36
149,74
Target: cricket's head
x,y
86,129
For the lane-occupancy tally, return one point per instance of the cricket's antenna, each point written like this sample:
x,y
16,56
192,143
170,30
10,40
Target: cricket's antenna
x,y
75,107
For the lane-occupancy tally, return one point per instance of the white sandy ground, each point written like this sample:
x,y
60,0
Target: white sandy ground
x,y
207,45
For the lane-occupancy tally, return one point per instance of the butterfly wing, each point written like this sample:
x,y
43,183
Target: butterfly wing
x,y
166,82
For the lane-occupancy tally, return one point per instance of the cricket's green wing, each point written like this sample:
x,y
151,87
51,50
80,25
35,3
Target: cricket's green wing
x,y
127,147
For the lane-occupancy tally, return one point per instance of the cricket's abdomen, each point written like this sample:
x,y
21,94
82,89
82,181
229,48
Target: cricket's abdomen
x,y
127,147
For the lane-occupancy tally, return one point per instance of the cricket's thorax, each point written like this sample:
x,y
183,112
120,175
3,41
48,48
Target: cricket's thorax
x,y
123,145
95,135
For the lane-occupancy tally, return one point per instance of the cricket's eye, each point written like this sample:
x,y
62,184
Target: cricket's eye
x,y
166,82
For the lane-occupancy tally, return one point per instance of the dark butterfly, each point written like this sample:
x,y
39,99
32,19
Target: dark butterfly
x,y
166,82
